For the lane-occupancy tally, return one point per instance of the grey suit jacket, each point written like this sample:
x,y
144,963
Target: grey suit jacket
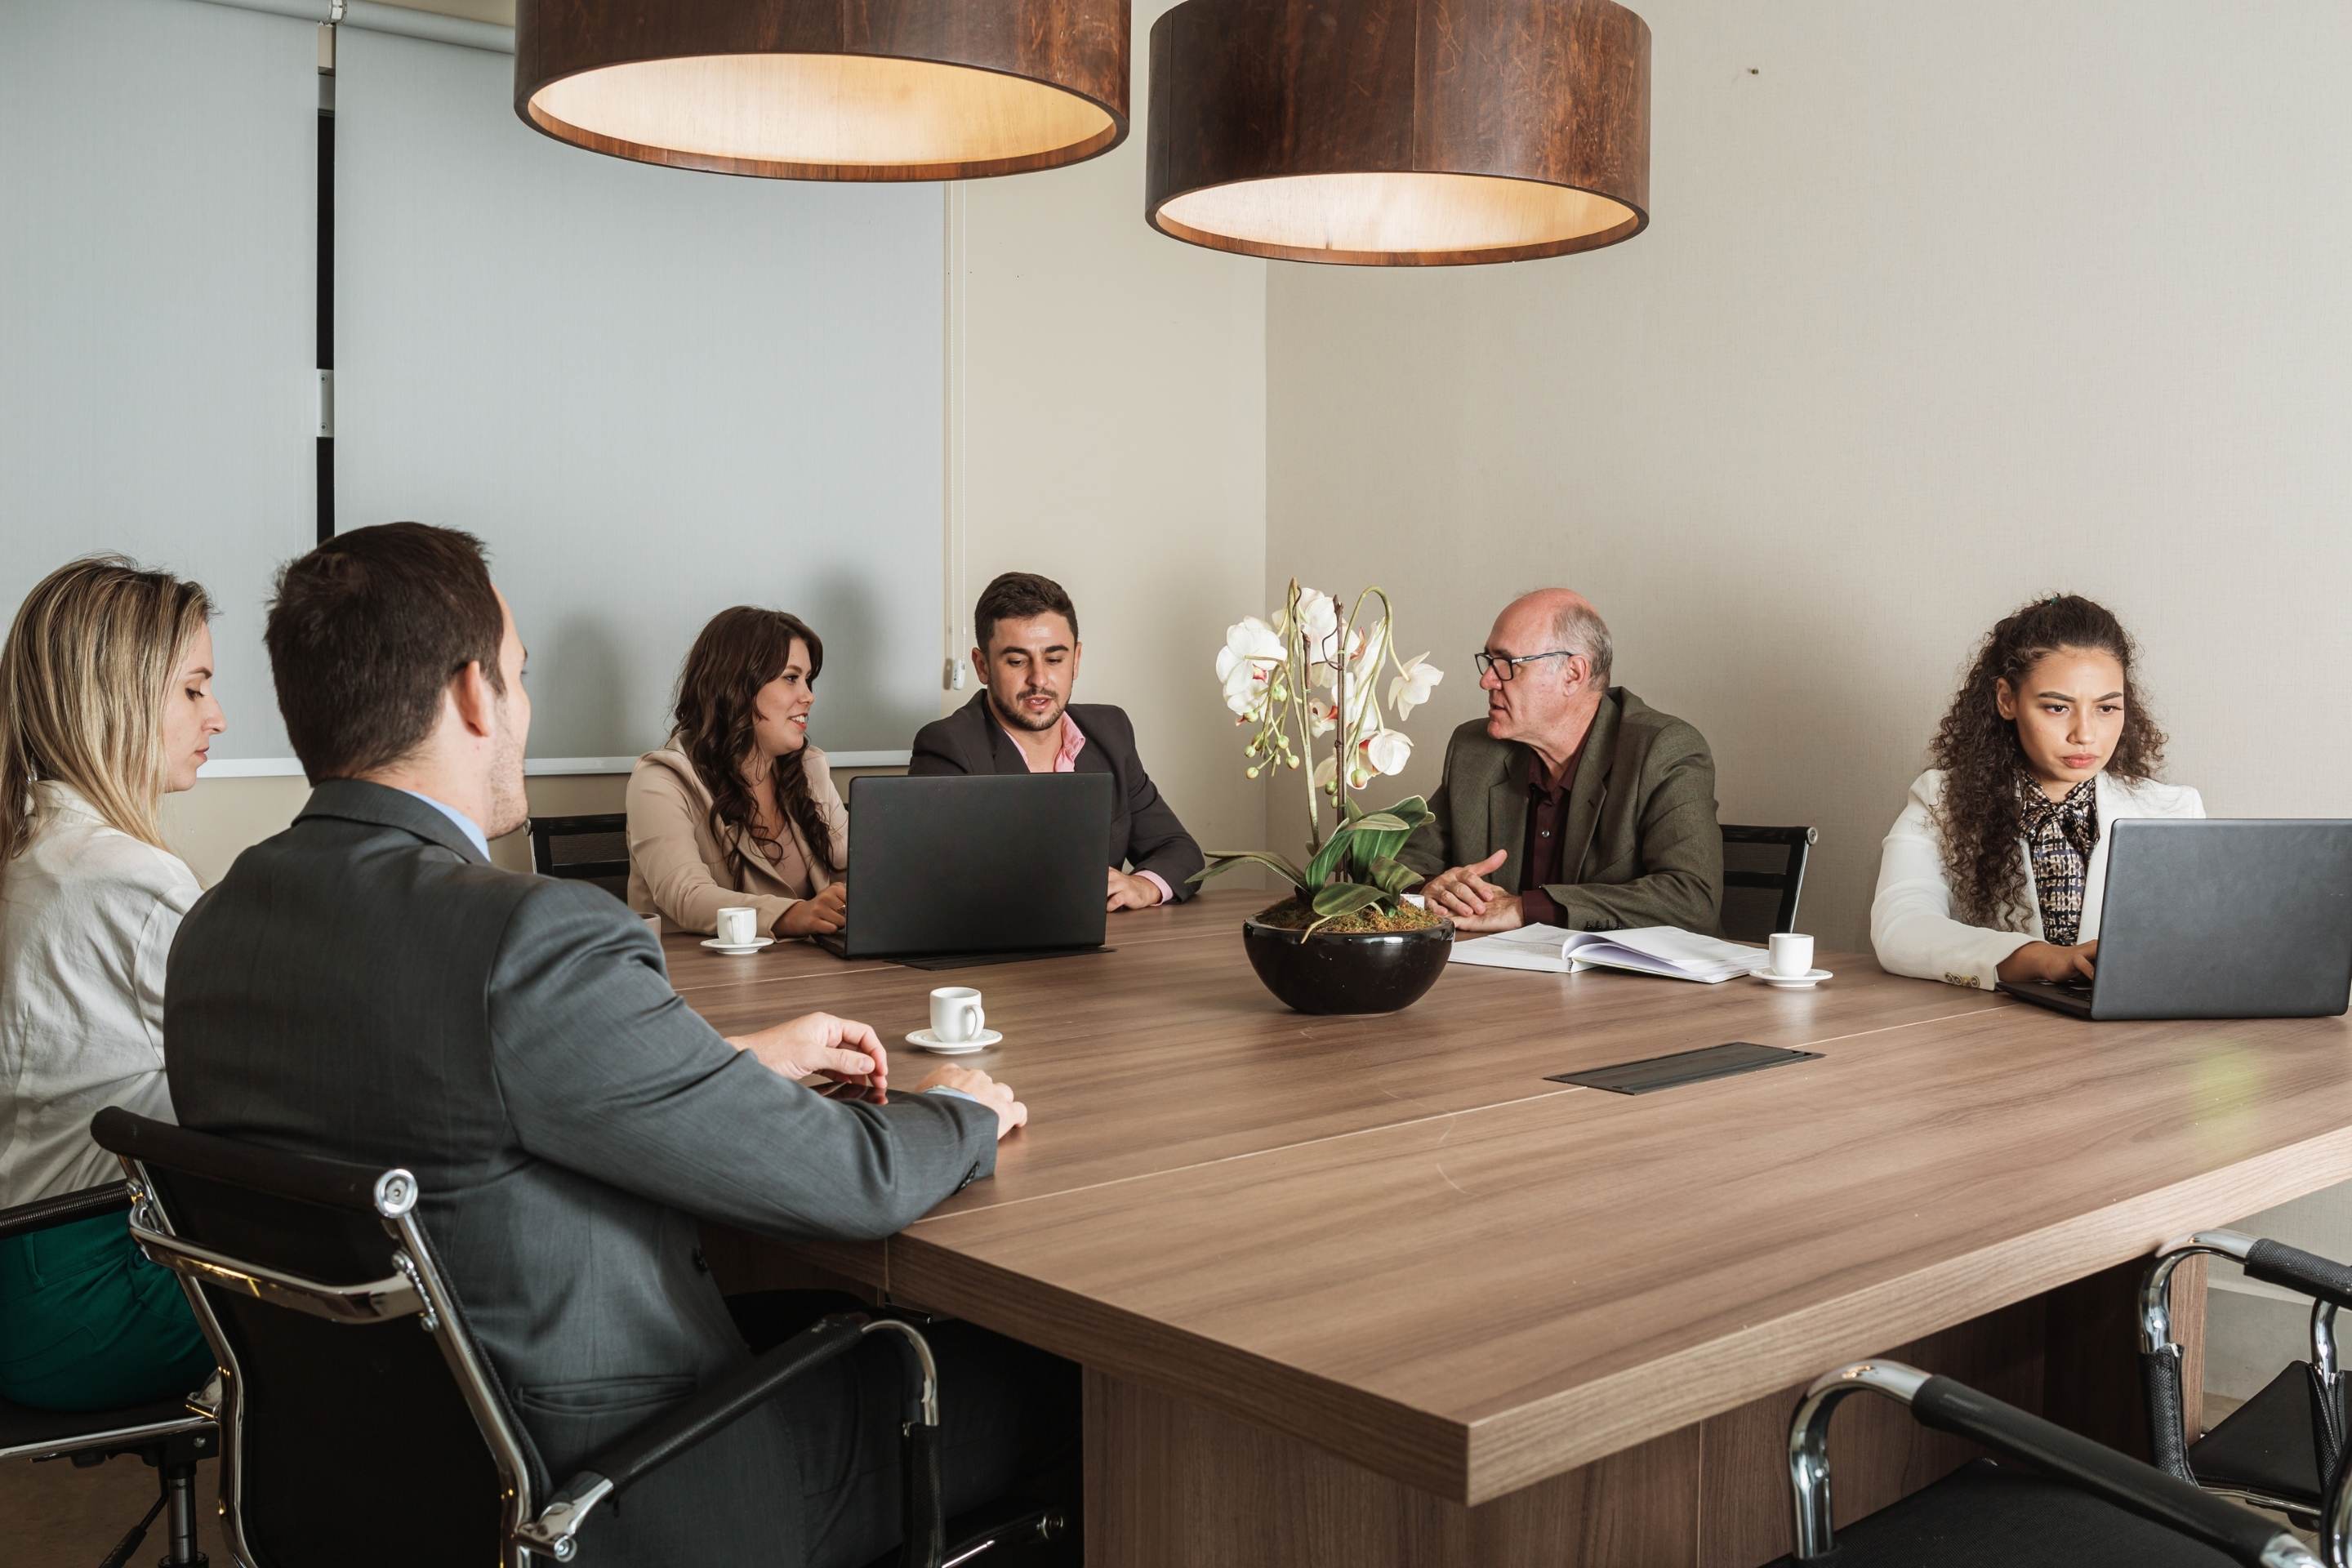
x,y
363,986
1641,846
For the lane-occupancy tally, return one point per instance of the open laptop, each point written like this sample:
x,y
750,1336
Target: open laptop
x,y
2248,919
975,865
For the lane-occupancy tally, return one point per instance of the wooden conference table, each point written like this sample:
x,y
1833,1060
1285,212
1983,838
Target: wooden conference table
x,y
1371,1290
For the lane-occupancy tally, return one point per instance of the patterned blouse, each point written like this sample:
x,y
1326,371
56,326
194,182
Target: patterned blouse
x,y
2059,837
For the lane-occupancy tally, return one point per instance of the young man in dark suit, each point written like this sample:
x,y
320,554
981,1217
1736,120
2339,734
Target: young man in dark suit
x,y
1022,720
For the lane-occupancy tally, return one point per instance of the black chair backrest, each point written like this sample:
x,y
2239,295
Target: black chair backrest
x,y
1763,872
344,1443
583,850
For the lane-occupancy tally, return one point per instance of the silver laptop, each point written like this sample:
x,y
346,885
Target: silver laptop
x,y
2216,919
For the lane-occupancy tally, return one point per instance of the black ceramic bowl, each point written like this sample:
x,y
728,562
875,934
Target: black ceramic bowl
x,y
1332,971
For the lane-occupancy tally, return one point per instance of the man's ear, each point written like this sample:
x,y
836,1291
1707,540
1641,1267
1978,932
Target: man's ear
x,y
477,704
979,665
2005,700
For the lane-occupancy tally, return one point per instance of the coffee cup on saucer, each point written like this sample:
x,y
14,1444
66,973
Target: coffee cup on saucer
x,y
1790,956
957,1016
738,926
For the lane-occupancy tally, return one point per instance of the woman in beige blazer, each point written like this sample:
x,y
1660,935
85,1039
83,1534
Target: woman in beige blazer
x,y
738,808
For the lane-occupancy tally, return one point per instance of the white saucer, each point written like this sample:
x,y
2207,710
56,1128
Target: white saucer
x,y
1804,982
738,949
923,1040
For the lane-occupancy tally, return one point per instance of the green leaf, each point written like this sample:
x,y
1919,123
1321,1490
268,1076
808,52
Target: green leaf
x,y
1366,850
1342,899
1327,859
1351,809
1382,822
1226,860
1393,877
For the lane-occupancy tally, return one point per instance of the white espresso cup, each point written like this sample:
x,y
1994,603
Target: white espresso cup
x,y
739,926
1791,954
956,1014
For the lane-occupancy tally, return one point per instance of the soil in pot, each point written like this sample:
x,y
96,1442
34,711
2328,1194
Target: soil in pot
x,y
1298,914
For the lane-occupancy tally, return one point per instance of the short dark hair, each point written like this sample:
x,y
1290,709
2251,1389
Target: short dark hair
x,y
367,633
1016,597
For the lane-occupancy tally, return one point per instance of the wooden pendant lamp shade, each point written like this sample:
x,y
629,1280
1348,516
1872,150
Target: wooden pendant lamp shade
x,y
824,89
1399,133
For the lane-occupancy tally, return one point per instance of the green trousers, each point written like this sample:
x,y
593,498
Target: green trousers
x,y
87,1323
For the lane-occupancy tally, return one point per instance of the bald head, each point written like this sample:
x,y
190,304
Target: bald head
x,y
1555,618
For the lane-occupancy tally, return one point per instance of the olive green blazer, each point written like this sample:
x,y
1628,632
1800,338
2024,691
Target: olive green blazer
x,y
1641,838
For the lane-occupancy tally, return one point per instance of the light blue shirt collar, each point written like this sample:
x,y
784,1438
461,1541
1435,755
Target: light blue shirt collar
x,y
466,825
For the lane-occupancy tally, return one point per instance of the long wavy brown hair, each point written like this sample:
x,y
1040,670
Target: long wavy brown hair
x,y
1980,755
739,652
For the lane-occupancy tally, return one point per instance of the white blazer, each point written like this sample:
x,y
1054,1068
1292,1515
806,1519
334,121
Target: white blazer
x,y
1911,923
87,918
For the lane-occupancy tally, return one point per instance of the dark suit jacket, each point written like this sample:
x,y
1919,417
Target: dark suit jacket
x,y
1144,832
1641,843
363,986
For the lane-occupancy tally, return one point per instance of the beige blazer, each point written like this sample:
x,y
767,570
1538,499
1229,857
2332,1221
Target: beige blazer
x,y
677,871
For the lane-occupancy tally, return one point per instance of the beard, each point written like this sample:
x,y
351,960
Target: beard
x,y
510,806
1018,718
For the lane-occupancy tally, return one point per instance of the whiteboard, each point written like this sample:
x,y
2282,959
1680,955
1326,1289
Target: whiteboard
x,y
158,215
652,393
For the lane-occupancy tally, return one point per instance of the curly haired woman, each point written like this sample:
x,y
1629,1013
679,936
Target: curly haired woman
x,y
1996,867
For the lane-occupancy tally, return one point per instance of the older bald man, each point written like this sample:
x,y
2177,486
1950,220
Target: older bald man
x,y
1573,802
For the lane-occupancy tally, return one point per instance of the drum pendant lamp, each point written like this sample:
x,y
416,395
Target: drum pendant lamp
x,y
1399,133
824,89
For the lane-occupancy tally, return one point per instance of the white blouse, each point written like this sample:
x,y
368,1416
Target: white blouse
x,y
87,918
1911,922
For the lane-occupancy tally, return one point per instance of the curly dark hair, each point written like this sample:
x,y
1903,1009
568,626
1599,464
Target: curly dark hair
x,y
739,652
1980,756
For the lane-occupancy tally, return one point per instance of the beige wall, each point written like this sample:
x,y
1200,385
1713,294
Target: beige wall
x,y
1941,308
1937,313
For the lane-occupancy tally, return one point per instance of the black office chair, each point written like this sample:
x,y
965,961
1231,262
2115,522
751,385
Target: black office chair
x,y
583,850
1763,873
353,1439
170,1435
2052,1498
2281,1449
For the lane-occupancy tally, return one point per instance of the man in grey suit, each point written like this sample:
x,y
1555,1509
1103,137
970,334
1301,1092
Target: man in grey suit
x,y
367,987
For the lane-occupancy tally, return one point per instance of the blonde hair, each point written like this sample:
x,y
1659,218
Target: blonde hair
x,y
84,679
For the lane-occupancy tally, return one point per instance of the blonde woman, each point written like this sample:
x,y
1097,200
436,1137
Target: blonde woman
x,y
106,704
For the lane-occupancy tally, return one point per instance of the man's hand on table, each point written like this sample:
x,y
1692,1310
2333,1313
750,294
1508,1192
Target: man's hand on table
x,y
837,1054
998,1096
1130,892
1464,895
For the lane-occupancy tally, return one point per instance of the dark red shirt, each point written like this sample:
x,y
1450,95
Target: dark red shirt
x,y
1541,857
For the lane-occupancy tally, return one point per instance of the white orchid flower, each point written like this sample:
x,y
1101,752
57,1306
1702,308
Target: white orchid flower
x,y
1248,663
1322,712
1411,689
1387,751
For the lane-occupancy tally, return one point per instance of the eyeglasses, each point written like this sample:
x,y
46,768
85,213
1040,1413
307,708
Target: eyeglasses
x,y
1504,665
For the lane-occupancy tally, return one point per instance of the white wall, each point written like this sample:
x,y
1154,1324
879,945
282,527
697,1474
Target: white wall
x,y
1942,308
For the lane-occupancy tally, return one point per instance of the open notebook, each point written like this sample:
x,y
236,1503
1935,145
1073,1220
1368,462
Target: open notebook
x,y
1646,950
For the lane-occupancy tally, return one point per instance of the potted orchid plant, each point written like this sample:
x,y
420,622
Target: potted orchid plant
x,y
1316,689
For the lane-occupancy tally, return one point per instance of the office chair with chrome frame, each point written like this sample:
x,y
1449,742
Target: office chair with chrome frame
x,y
2281,1449
170,1435
592,848
2080,1503
348,1437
